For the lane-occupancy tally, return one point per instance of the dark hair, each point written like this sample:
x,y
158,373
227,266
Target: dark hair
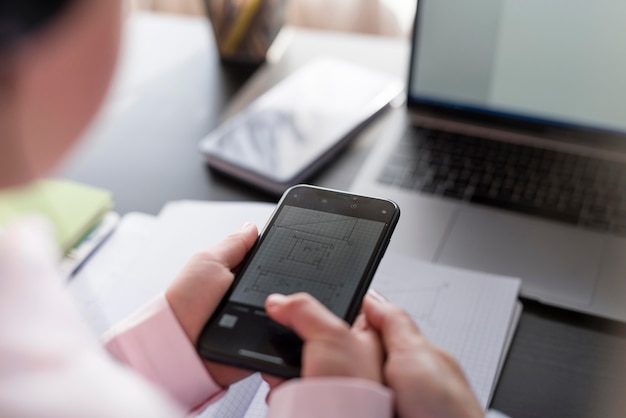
x,y
19,18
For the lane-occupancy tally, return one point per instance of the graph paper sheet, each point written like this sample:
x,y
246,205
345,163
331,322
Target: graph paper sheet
x,y
468,314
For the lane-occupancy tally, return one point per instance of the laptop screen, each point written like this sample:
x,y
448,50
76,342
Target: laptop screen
x,y
556,61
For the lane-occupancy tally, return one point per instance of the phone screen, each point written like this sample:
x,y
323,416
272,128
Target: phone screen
x,y
322,242
312,251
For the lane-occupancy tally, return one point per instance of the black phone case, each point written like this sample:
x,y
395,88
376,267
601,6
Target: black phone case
x,y
264,331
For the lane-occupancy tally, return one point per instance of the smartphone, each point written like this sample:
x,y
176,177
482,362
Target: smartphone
x,y
324,242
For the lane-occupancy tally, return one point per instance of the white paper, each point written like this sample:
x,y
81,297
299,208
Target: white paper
x,y
184,228
244,398
104,274
468,314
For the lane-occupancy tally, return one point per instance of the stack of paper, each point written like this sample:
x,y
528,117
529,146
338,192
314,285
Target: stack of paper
x,y
470,315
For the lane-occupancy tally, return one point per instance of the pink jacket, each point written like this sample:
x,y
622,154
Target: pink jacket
x,y
52,365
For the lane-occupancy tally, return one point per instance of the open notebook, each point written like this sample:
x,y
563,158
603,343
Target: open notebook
x,y
471,315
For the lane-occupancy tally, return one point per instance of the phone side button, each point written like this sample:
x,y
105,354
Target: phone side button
x,y
228,321
261,356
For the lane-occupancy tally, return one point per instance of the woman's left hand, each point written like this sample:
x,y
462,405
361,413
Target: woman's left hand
x,y
197,291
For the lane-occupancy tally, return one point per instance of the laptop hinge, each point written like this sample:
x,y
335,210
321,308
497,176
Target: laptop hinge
x,y
510,135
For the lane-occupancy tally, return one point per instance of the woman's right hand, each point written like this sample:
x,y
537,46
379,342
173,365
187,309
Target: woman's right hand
x,y
426,381
331,346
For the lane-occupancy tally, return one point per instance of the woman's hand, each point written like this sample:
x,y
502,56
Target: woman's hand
x,y
331,346
426,381
196,292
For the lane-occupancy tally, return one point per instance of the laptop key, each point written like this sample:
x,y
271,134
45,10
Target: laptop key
x,y
520,178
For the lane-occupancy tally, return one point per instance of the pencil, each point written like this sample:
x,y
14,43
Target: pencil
x,y
241,26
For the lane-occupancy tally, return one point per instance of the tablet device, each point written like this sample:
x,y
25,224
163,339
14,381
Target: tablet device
x,y
296,127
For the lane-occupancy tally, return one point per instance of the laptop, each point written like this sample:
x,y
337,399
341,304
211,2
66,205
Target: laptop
x,y
510,155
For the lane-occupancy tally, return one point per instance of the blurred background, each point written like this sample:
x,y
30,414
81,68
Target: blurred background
x,y
378,17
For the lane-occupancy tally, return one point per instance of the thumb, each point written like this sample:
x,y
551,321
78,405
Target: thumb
x,y
303,314
232,250
395,326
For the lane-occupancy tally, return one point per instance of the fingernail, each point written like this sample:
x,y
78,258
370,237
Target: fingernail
x,y
274,300
377,295
247,226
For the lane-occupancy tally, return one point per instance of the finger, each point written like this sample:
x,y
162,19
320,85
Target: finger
x,y
376,294
272,381
360,323
304,314
225,375
232,250
199,288
396,327
196,292
215,263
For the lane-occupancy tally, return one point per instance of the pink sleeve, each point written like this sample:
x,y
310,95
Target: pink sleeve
x,y
330,397
152,342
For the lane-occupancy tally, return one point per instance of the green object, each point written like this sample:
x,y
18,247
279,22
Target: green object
x,y
73,208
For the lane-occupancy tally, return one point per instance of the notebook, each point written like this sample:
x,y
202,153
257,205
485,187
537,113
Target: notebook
x,y
509,156
73,208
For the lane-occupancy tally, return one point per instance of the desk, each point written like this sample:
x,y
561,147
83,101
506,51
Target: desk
x,y
172,90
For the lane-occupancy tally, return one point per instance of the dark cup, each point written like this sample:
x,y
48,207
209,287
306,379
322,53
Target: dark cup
x,y
245,29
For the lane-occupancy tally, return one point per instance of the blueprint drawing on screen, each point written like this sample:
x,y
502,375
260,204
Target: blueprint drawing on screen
x,y
321,253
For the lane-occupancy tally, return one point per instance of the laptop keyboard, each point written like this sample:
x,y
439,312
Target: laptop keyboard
x,y
565,187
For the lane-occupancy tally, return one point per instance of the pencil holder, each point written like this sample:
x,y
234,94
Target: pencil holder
x,y
245,29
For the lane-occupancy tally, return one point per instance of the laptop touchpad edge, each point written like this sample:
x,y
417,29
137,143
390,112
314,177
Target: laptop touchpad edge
x,y
555,262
